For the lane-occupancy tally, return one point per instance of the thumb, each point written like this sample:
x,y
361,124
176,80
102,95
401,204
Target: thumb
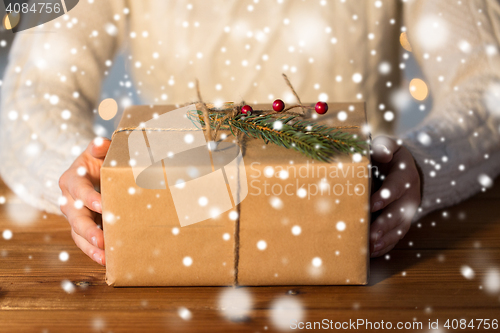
x,y
99,147
383,149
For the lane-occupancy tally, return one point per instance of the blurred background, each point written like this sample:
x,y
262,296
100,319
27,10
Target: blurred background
x,y
412,101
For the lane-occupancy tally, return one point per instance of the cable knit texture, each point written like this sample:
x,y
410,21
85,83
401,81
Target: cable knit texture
x,y
238,52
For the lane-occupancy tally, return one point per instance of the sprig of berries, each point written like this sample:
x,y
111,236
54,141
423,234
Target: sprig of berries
x,y
285,129
279,106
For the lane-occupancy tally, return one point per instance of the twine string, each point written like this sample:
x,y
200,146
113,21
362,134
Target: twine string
x,y
230,114
206,117
306,111
194,129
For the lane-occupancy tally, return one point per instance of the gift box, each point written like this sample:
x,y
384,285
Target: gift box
x,y
180,212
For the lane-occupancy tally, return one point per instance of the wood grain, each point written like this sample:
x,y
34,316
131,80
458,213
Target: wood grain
x,y
419,281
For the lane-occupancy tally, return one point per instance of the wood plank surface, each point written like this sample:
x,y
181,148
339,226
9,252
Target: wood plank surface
x,y
420,280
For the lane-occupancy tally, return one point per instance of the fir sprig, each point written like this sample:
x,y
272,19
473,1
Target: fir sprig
x,y
310,139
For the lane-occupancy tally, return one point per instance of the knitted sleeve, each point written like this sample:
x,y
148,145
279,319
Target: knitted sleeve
x,y
51,86
457,146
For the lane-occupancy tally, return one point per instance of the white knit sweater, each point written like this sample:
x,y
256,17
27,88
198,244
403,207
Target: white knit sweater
x,y
238,49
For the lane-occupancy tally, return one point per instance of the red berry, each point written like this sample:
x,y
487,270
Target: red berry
x,y
278,105
246,110
321,107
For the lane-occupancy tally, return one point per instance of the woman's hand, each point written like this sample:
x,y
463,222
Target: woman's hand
x,y
82,203
398,198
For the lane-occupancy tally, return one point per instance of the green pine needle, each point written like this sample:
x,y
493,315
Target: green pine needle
x,y
312,140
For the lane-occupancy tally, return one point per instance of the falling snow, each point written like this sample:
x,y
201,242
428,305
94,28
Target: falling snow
x,y
7,234
286,310
68,286
467,272
184,313
187,261
492,281
235,304
63,256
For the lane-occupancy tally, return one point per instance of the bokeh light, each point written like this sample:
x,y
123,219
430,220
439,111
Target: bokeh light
x,y
403,39
418,89
108,109
11,20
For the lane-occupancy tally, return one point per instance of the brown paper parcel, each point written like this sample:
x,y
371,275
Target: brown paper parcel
x,y
262,215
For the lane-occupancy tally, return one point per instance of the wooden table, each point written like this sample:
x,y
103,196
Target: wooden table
x,y
421,280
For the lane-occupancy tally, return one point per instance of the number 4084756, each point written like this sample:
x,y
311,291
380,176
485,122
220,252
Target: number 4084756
x,y
462,324
34,8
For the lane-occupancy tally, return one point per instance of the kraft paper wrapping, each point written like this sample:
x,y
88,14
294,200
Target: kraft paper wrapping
x,y
302,222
